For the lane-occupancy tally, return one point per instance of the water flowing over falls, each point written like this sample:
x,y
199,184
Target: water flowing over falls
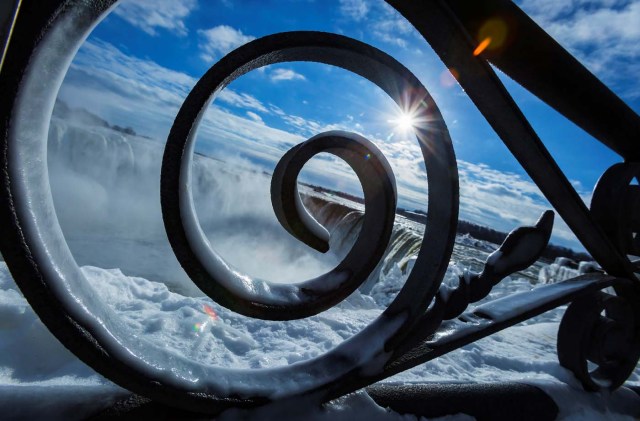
x,y
106,191
105,186
344,224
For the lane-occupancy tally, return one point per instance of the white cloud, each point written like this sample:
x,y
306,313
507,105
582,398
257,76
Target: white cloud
x,y
285,74
558,9
307,128
355,9
136,92
504,200
219,40
150,15
140,93
383,22
241,100
255,117
497,199
602,34
121,73
392,28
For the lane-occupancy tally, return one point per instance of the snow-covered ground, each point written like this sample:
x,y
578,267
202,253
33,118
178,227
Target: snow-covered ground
x,y
118,238
33,364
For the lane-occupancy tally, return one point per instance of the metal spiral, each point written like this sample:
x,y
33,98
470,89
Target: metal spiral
x,y
40,261
45,270
376,177
259,298
599,340
615,205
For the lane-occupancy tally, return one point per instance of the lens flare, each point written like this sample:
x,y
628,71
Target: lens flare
x,y
493,35
482,46
210,312
199,327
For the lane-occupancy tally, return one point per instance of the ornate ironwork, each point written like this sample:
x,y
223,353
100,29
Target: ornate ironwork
x,y
425,320
596,328
615,206
211,274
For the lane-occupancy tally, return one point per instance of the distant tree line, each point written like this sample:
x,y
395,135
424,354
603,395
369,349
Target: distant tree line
x,y
481,232
125,130
476,231
82,116
347,196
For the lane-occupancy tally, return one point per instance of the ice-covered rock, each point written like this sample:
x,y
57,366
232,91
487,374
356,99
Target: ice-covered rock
x,y
561,269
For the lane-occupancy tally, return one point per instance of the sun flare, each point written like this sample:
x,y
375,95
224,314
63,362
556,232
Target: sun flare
x,y
404,122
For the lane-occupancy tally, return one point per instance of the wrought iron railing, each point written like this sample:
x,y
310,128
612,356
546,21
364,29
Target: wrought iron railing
x,y
426,319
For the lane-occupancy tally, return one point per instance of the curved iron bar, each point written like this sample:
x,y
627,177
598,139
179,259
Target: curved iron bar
x,y
599,328
615,205
39,260
262,299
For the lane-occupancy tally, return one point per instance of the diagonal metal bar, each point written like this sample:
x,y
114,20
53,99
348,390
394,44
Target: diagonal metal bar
x,y
538,62
450,40
8,15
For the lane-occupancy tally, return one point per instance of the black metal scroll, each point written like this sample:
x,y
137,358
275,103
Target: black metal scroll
x,y
596,328
313,296
425,320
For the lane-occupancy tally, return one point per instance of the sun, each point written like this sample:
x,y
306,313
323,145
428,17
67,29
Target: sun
x,y
404,122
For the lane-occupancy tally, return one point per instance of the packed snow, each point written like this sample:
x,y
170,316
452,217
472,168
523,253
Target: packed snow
x,y
106,189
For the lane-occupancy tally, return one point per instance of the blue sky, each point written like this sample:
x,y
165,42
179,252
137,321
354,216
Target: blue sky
x,y
139,64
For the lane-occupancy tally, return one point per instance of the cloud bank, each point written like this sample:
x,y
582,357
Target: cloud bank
x,y
140,93
152,15
219,40
602,34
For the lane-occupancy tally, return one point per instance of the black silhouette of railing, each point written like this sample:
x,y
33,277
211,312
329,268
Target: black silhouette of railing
x,y
426,319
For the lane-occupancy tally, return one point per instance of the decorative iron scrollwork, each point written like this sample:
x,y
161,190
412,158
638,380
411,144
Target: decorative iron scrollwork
x,y
616,206
411,330
242,294
599,329
520,249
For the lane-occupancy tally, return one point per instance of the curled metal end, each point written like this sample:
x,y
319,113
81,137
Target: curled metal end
x,y
268,300
289,209
366,160
599,340
522,247
615,206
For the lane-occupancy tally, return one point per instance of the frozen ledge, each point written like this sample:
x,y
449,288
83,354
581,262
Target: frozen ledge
x,y
463,401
